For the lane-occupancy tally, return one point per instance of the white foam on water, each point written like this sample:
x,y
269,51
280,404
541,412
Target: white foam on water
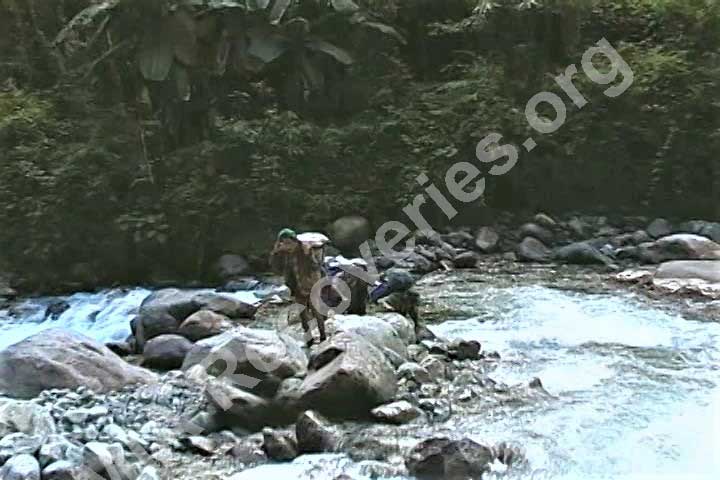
x,y
104,316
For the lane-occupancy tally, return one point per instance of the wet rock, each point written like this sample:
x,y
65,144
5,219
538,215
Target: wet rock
x,y
581,253
279,446
578,227
536,231
466,260
347,233
149,473
532,250
707,270
445,459
166,352
151,324
414,372
55,309
396,413
122,349
435,366
681,246
351,377
404,326
224,304
177,303
231,266
61,470
18,444
464,350
204,324
487,239
659,228
21,467
459,239
545,221
375,330
63,359
265,356
25,417
234,407
201,445
315,434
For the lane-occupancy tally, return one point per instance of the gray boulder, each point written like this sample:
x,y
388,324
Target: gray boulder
x,y
681,246
487,239
18,444
532,250
445,459
536,231
466,260
263,357
62,359
707,270
659,228
231,406
231,266
581,253
350,377
396,413
204,324
62,470
25,417
279,446
314,434
348,233
21,467
375,330
166,352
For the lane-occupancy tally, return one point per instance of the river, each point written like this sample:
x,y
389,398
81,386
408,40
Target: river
x,y
635,384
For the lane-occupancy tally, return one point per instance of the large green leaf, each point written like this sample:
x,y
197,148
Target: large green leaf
x,y
266,45
328,48
345,6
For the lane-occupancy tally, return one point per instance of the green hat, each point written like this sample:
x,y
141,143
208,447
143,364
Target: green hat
x,y
286,233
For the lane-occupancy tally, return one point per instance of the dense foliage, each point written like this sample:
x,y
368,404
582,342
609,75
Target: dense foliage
x,y
141,141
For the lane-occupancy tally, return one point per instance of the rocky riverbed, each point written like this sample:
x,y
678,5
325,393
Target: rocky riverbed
x,y
525,336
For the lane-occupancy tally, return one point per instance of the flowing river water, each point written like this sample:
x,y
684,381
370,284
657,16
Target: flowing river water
x,y
635,383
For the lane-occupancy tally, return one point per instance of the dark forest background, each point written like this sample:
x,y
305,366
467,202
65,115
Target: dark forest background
x,y
144,138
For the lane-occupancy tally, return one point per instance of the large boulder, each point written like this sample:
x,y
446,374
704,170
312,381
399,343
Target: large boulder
x,y
487,239
230,266
315,434
62,359
382,334
231,407
204,324
536,231
166,352
445,459
264,357
348,233
707,270
659,228
25,417
581,253
532,250
681,246
350,377
164,311
21,467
